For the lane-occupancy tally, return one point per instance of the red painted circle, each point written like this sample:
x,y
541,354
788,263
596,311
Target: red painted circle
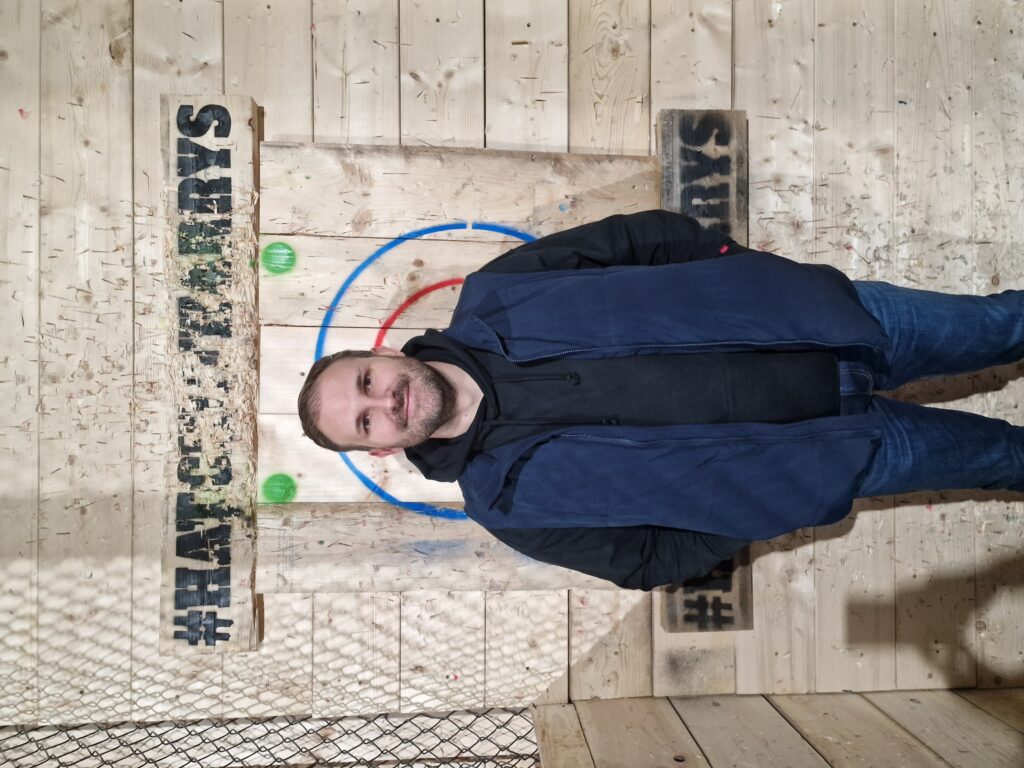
x,y
386,325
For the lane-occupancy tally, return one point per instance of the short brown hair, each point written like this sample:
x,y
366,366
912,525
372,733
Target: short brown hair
x,y
309,400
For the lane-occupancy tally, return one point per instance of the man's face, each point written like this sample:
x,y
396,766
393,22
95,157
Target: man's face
x,y
387,401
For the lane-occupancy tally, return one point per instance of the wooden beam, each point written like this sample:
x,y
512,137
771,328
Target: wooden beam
x,y
854,126
19,338
302,296
322,189
268,56
846,729
957,731
355,71
745,730
1006,704
997,170
609,644
163,686
527,51
637,732
609,76
442,73
560,738
86,310
380,548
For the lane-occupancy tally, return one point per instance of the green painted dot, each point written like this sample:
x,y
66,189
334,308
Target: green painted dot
x,y
279,489
278,258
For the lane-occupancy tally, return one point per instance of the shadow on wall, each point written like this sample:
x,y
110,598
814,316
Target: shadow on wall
x,y
947,647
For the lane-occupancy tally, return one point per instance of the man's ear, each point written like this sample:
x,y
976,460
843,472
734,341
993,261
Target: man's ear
x,y
380,453
387,352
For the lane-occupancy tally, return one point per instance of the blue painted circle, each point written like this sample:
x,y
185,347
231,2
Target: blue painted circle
x,y
420,507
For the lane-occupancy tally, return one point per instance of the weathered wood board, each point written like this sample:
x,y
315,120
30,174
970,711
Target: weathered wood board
x,y
378,191
377,547
19,388
210,156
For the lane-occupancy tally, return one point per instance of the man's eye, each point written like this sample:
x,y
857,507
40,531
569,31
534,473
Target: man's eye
x,y
366,383
366,423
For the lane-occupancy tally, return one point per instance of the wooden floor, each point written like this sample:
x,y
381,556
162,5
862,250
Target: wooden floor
x,y
884,139
899,729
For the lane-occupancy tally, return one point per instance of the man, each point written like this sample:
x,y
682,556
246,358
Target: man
x,y
639,397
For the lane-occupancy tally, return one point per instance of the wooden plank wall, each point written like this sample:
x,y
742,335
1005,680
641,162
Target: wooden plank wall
x,y
884,139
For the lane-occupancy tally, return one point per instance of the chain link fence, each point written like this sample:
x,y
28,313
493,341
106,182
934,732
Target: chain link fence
x,y
492,738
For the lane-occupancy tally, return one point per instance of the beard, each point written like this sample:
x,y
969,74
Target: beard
x,y
435,400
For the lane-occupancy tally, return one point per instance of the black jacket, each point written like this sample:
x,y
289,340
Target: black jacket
x,y
634,557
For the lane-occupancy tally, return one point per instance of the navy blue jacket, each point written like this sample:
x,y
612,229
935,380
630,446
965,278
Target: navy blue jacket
x,y
657,283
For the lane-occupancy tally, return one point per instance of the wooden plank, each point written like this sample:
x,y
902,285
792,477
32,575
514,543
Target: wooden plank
x,y
19,338
854,597
1006,705
691,56
956,730
999,613
276,679
774,83
853,161
689,663
177,49
527,62
355,71
848,731
442,72
560,738
609,76
302,295
609,644
778,653
355,654
934,250
442,651
209,153
268,57
527,634
853,139
378,547
745,730
322,189
934,593
85,321
997,162
320,475
641,732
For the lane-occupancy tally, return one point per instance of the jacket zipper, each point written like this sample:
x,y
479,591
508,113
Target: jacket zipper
x,y
673,346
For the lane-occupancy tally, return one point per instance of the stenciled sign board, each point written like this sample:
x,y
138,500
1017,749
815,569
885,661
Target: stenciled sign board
x,y
704,175
209,222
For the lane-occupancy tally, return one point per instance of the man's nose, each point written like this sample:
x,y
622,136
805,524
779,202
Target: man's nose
x,y
386,401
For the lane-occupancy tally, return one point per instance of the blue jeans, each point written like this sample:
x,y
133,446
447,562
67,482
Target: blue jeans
x,y
939,334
